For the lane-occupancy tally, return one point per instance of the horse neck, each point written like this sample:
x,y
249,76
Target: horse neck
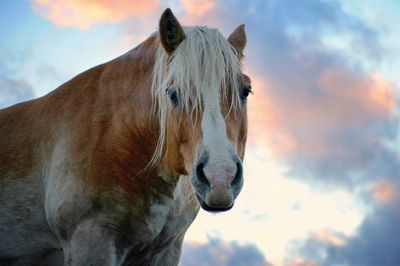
x,y
127,85
106,112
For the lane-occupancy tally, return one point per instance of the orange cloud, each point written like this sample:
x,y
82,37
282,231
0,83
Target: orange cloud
x,y
372,93
264,118
198,8
383,93
297,121
83,14
327,236
384,192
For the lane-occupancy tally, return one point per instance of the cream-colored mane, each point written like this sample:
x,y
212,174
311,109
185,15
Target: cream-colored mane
x,y
203,65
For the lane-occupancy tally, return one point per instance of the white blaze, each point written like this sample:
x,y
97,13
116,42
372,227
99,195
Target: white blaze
x,y
220,169
215,139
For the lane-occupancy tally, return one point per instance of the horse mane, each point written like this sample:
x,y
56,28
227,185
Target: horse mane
x,y
204,65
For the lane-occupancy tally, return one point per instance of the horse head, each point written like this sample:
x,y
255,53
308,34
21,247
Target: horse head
x,y
200,93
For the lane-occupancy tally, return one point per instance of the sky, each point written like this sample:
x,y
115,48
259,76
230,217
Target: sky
x,y
322,164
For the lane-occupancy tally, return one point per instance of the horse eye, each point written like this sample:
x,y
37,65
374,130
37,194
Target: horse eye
x,y
173,97
245,92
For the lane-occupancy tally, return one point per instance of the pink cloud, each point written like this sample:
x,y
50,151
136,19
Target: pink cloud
x,y
198,8
83,14
372,94
298,121
384,192
263,119
327,236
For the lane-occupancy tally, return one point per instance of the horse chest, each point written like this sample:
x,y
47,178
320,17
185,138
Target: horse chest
x,y
159,218
162,233
165,221
161,241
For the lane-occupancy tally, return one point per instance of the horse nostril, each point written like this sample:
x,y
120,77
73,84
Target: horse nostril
x,y
239,176
201,176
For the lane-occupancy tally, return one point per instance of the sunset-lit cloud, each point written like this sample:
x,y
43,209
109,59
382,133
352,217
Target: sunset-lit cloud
x,y
198,8
366,95
376,242
384,192
82,14
327,236
383,93
264,119
311,124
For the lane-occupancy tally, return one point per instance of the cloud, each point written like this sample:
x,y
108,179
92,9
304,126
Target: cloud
x,y
327,236
384,192
300,261
333,128
14,91
197,8
377,241
84,14
12,88
217,252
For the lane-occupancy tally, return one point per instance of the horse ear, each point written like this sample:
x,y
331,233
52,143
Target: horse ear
x,y
171,32
238,40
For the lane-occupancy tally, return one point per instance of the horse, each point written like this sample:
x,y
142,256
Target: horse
x,y
112,167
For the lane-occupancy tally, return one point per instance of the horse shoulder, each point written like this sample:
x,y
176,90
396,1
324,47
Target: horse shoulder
x,y
21,208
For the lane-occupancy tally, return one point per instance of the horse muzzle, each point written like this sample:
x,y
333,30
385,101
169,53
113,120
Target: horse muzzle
x,y
217,183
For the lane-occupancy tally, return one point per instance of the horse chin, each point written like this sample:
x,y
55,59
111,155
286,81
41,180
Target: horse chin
x,y
205,207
